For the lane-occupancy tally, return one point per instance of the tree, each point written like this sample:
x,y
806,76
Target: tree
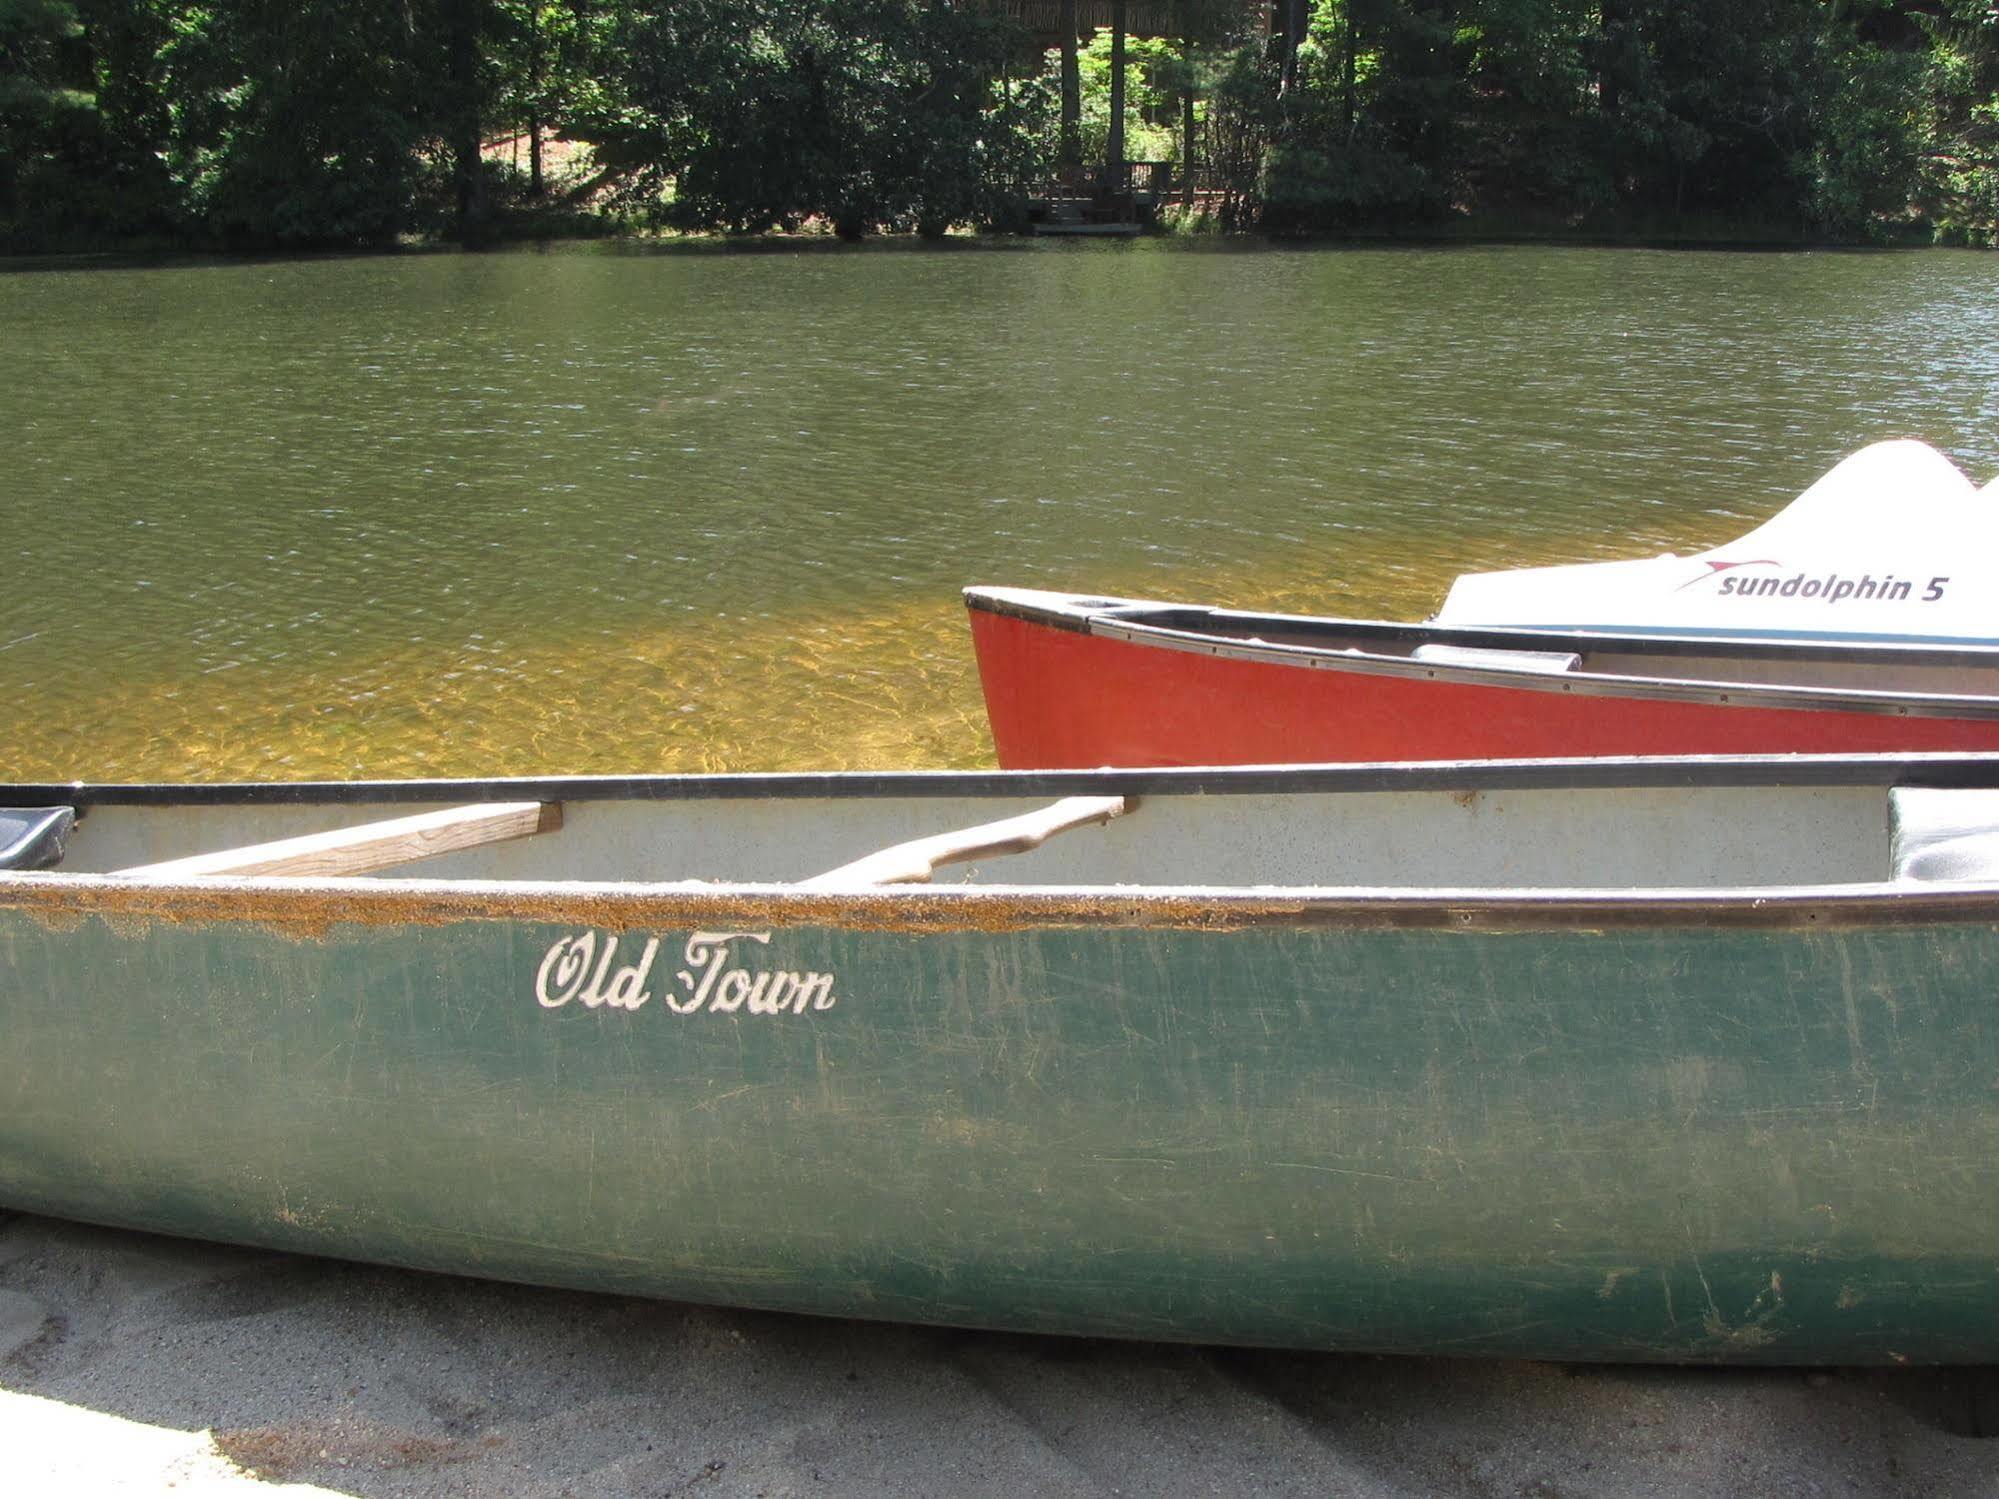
x,y
1713,102
302,122
294,124
545,61
864,113
1367,135
1204,28
48,115
1958,170
466,84
126,39
1537,92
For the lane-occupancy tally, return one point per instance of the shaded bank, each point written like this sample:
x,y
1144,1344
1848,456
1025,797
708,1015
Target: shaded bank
x,y
241,126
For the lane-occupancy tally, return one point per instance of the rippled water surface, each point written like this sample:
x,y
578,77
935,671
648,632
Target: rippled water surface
x,y
609,509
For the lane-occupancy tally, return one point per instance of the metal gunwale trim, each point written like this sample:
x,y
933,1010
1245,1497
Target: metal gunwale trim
x,y
1075,616
1943,770
1087,613
1971,647
1579,684
314,904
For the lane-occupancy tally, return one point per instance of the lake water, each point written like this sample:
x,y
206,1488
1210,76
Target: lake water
x,y
611,508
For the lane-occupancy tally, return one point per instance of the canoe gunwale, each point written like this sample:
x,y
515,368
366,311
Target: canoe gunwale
x,y
1579,684
1094,614
311,905
1108,619
1939,769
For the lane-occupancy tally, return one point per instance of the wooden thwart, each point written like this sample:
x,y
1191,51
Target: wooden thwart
x,y
914,862
371,846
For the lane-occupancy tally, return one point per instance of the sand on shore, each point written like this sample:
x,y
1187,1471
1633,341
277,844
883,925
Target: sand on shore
x,y
131,1363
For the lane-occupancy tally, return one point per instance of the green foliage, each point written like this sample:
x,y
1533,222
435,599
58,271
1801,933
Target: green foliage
x,y
1242,117
323,122
1959,172
1311,190
49,122
1715,103
1798,114
1966,182
1154,74
862,113
1533,136
1364,139
293,124
1860,166
546,83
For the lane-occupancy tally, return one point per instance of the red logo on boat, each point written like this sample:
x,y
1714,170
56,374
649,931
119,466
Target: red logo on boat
x,y
1717,568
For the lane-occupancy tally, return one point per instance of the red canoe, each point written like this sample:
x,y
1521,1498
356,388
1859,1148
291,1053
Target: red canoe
x,y
1080,680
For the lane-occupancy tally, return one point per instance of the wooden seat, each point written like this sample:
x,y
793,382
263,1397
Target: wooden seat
x,y
371,846
914,862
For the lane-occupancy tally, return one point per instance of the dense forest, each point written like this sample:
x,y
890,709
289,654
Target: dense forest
x,y
268,123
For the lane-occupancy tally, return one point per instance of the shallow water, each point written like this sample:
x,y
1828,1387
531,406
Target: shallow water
x,y
608,508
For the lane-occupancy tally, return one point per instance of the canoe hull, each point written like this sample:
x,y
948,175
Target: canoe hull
x,y
1062,697
1771,1144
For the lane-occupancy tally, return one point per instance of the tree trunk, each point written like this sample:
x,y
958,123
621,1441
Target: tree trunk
x,y
465,125
1070,153
1187,124
1293,18
1612,17
534,101
474,212
1349,68
1116,178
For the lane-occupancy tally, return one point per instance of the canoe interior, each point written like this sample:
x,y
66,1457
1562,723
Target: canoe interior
x,y
1715,836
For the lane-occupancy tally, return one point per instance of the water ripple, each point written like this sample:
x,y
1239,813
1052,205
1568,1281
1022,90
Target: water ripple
x,y
597,509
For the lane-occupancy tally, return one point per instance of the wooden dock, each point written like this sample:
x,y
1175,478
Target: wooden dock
x,y
1087,201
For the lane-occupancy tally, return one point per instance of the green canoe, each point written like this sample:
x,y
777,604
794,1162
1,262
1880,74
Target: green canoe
x,y
1637,1060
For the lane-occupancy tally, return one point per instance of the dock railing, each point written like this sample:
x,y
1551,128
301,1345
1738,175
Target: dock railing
x,y
1096,195
1159,181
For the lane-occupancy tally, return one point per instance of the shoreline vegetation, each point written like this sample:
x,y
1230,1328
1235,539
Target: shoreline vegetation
x,y
817,238
157,127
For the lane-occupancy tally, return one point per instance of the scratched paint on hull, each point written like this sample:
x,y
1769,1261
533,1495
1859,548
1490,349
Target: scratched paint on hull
x,y
1661,1143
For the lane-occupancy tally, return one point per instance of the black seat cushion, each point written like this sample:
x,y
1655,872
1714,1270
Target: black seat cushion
x,y
32,837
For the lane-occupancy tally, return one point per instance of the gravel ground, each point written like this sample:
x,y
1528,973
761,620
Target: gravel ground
x,y
130,1362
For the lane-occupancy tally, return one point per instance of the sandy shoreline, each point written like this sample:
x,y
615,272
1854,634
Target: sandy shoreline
x,y
231,1371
